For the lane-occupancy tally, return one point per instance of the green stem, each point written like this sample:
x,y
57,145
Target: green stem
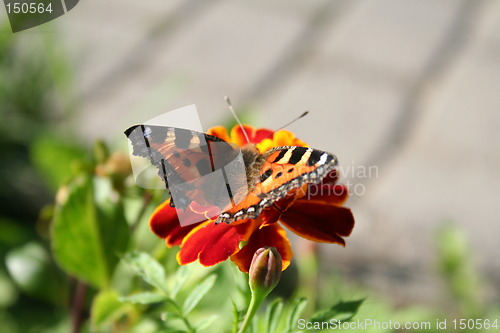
x,y
181,316
78,306
254,305
145,202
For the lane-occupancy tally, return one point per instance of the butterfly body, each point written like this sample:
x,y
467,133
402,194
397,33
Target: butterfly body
x,y
187,158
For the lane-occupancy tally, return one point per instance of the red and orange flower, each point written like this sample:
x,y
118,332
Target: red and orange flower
x,y
312,212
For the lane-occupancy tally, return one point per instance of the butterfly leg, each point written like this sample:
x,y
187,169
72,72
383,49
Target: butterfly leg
x,y
277,208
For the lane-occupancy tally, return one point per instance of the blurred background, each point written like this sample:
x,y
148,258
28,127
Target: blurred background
x,y
405,93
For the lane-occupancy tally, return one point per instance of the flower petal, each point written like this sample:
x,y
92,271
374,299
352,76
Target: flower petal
x,y
331,178
213,243
265,145
283,138
272,236
165,224
220,132
178,234
272,213
278,139
163,220
327,193
238,137
319,222
261,134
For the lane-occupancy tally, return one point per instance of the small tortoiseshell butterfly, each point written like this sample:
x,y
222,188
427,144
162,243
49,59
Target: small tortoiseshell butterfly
x,y
182,156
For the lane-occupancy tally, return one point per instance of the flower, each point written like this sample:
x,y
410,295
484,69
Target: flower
x,y
313,211
265,270
263,277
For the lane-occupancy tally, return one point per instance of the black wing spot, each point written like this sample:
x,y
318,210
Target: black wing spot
x,y
290,170
297,154
279,174
203,167
186,162
280,155
266,175
182,138
156,134
176,154
314,157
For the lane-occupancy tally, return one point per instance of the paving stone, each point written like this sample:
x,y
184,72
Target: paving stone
x,y
447,174
222,52
100,35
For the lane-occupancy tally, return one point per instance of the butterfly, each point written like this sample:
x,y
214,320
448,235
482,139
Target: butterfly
x,y
240,182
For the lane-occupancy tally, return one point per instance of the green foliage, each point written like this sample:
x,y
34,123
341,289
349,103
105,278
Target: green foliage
x,y
455,264
152,272
342,311
29,268
47,149
106,307
8,292
89,231
34,289
283,317
144,298
197,294
148,268
273,314
294,313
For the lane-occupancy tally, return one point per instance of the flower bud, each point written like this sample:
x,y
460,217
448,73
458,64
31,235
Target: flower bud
x,y
265,270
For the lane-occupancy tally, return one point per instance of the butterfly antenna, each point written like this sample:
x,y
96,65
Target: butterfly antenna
x,y
287,124
291,122
228,101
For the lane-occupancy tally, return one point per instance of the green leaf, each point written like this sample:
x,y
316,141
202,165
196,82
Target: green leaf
x,y
8,292
106,307
29,266
181,277
343,311
273,314
12,232
144,298
296,309
55,159
236,318
89,231
148,268
197,294
204,324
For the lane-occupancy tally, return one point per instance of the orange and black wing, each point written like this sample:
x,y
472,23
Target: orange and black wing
x,y
183,157
283,170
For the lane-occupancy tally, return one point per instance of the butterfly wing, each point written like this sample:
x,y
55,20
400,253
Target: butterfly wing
x,y
186,160
283,170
